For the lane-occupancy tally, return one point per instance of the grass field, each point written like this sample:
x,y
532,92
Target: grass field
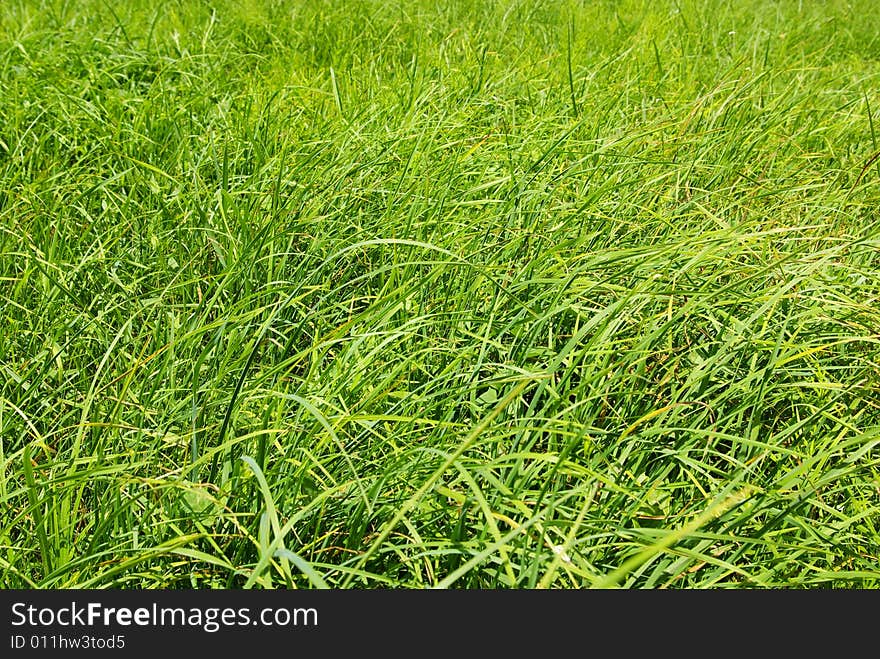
x,y
457,293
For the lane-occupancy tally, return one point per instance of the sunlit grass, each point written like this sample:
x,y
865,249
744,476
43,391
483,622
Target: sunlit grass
x,y
461,294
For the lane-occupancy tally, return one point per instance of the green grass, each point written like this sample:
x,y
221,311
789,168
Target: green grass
x,y
475,294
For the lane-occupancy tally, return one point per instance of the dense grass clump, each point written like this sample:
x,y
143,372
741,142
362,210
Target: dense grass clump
x,y
359,293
